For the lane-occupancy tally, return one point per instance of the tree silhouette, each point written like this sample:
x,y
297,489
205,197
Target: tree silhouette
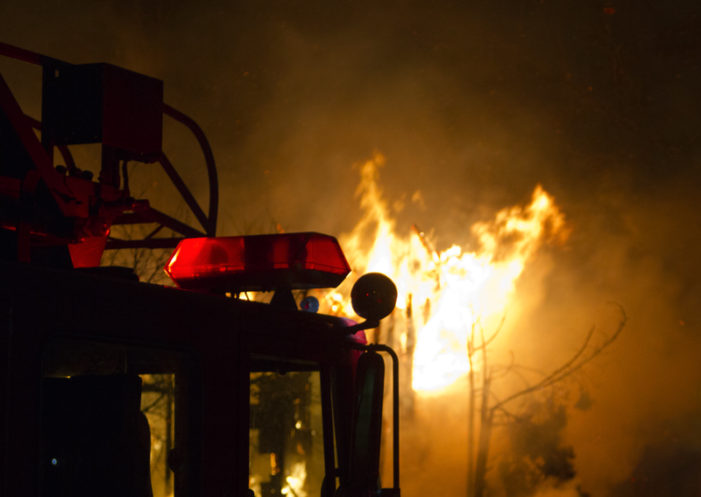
x,y
548,457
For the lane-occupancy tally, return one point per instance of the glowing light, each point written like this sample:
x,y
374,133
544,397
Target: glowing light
x,y
295,481
258,262
443,294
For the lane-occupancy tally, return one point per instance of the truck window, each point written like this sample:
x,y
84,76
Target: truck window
x,y
158,405
286,450
109,415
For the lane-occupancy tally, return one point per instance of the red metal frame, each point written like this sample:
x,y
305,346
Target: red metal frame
x,y
95,206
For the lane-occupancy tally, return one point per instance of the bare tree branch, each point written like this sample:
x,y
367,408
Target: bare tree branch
x,y
485,343
571,365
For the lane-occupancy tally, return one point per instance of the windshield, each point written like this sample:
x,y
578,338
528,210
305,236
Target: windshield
x,y
286,444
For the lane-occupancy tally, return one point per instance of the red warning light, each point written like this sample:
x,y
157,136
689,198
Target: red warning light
x,y
258,262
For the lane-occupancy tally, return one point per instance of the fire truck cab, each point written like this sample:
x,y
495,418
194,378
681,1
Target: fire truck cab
x,y
114,387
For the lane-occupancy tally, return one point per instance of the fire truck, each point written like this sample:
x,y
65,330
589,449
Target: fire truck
x,y
114,387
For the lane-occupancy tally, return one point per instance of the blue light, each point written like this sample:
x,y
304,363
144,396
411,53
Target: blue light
x,y
310,304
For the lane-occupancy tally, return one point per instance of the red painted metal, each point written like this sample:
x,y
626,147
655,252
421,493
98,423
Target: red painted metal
x,y
89,208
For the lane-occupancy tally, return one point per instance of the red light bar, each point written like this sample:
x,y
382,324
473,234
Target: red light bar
x,y
258,262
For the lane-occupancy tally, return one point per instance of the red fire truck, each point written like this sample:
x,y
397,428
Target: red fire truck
x,y
114,387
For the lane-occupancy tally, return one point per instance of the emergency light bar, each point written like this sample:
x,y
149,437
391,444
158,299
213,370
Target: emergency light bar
x,y
258,263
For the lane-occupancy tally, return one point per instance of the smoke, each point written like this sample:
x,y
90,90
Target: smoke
x,y
567,491
472,105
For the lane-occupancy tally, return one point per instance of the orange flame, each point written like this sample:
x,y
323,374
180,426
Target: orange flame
x,y
454,289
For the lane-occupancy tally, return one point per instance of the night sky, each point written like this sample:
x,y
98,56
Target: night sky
x,y
472,104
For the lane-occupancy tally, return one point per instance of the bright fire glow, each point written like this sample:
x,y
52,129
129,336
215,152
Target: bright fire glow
x,y
295,481
443,294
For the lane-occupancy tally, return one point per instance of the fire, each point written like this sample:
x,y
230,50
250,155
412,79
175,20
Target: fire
x,y
444,295
295,481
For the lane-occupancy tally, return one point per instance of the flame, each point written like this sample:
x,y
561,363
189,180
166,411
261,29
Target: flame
x,y
295,481
443,295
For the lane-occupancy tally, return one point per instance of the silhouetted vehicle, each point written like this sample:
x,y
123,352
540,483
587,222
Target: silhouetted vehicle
x,y
113,387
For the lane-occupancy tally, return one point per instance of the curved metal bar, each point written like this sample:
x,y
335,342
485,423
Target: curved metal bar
x,y
185,192
211,227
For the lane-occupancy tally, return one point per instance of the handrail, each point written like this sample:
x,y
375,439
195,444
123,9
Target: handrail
x,y
179,116
185,192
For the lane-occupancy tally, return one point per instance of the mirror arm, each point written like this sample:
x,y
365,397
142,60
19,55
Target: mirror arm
x,y
365,325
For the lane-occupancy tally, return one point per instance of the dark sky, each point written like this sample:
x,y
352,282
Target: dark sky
x,y
472,103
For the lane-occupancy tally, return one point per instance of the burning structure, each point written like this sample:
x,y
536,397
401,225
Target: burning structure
x,y
452,306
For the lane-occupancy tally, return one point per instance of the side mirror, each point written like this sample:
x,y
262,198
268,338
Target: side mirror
x,y
366,438
367,426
